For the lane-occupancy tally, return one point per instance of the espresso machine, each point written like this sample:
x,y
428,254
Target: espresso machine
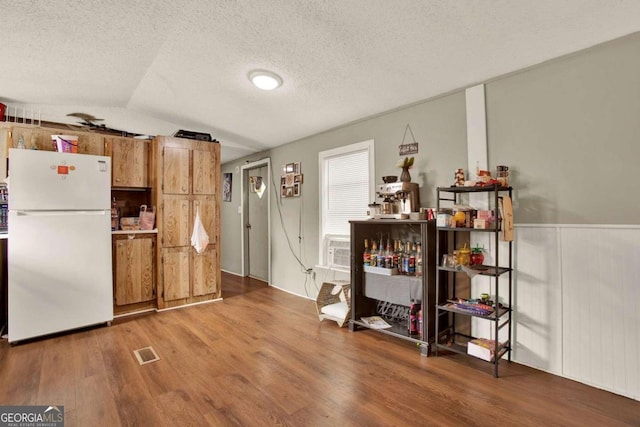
x,y
398,199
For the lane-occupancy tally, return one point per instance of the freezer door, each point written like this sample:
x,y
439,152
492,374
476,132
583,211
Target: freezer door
x,y
47,180
60,275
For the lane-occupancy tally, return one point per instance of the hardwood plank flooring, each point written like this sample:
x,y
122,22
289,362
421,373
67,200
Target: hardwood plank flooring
x,y
260,357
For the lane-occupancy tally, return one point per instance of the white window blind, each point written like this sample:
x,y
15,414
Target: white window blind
x,y
347,190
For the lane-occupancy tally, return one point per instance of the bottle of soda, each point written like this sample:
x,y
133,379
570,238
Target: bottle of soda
x,y
413,318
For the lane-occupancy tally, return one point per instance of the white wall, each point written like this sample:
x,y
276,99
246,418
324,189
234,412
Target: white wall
x,y
576,307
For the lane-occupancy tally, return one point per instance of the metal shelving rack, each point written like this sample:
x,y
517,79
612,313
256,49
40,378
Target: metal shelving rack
x,y
450,338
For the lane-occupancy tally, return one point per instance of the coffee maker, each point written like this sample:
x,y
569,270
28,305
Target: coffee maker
x,y
399,199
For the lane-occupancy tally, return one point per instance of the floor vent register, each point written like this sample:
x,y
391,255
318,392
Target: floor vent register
x,y
146,355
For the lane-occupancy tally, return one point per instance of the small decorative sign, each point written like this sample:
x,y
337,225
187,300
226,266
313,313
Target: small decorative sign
x,y
408,149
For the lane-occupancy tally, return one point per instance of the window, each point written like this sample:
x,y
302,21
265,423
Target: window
x,y
346,188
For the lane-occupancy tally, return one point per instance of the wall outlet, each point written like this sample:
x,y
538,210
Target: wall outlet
x,y
239,209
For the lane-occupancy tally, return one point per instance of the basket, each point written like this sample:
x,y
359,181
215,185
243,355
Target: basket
x,y
334,302
130,223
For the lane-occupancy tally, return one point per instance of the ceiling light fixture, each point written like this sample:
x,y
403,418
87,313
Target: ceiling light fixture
x,y
265,80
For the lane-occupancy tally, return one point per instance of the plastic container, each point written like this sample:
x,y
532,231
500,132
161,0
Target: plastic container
x,y
65,143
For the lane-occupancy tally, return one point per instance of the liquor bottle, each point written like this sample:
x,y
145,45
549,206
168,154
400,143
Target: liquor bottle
x,y
388,256
400,257
373,259
114,215
419,270
412,260
395,256
408,268
381,254
366,256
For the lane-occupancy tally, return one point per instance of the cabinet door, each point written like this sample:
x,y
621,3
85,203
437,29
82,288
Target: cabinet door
x,y
35,137
207,208
175,273
204,163
175,171
90,143
134,270
176,217
40,138
205,277
129,161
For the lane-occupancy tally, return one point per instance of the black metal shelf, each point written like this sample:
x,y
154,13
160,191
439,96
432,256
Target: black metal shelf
x,y
486,230
461,348
452,321
476,189
493,317
490,270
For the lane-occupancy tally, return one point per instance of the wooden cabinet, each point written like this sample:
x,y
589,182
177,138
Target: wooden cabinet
x,y
385,292
186,181
134,271
40,138
129,161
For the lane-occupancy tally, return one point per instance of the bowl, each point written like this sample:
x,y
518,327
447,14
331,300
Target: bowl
x,y
389,179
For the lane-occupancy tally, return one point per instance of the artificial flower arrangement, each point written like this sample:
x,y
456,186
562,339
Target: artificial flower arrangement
x,y
406,163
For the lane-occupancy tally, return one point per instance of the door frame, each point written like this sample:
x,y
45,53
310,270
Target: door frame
x,y
244,213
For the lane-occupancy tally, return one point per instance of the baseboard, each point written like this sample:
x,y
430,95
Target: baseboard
x,y
292,293
231,272
189,305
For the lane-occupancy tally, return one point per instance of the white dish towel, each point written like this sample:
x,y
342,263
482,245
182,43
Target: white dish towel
x,y
199,237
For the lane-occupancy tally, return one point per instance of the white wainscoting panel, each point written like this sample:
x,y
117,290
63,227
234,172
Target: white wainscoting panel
x,y
538,299
601,315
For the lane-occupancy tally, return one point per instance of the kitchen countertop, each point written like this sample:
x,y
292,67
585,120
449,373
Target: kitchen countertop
x,y
154,231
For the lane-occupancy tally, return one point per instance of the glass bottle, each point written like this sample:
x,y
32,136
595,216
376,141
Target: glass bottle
x,y
373,260
114,215
388,256
380,261
366,256
419,259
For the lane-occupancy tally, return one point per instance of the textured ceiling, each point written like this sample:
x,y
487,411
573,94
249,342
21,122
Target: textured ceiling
x,y
157,66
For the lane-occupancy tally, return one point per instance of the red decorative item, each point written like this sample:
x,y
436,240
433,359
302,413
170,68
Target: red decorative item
x,y
476,257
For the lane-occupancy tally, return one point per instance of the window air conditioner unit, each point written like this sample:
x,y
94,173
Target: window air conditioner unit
x,y
338,252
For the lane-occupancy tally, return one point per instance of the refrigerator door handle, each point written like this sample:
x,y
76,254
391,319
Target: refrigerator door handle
x,y
61,213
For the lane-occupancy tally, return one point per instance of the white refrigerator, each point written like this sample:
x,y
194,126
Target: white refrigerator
x,y
59,255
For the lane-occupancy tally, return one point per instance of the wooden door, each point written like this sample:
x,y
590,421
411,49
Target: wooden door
x,y
175,273
134,272
205,277
176,222
204,168
175,171
129,162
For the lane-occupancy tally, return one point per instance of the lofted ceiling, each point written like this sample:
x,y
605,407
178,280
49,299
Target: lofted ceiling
x,y
157,66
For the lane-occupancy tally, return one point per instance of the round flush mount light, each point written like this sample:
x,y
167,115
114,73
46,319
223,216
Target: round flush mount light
x,y
265,80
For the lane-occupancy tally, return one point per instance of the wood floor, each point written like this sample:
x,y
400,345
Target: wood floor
x,y
262,358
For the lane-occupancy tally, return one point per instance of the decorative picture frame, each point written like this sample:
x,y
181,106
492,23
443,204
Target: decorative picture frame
x,y
291,180
227,182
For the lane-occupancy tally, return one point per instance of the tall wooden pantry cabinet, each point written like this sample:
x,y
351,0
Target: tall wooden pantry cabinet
x,y
186,181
